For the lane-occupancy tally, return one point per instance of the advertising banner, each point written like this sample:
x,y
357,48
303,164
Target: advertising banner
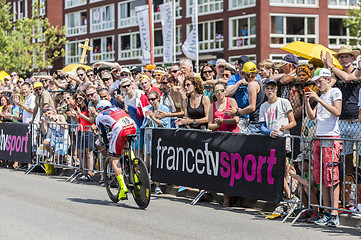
x,y
144,31
166,15
190,44
15,142
250,166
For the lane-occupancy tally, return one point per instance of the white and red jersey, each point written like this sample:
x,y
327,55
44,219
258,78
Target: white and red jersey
x,y
121,125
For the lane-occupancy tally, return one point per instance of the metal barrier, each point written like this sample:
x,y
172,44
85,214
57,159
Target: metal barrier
x,y
330,146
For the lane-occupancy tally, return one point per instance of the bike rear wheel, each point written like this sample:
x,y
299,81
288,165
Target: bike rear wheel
x,y
110,181
141,183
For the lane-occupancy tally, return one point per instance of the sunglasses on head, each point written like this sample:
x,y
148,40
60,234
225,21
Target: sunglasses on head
x,y
126,86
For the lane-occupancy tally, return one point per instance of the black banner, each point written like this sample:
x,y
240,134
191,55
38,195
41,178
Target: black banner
x,y
15,142
250,166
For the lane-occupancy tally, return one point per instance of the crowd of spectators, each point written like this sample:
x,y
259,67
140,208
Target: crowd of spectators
x,y
235,97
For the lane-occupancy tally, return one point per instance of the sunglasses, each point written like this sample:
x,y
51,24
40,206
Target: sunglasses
x,y
44,80
90,94
152,99
188,84
135,73
65,99
124,74
207,72
158,75
37,89
80,75
219,90
126,86
115,71
174,71
90,75
79,99
7,80
106,79
103,97
226,75
147,71
164,83
13,75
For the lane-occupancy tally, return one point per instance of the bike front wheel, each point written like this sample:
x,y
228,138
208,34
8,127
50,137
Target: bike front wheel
x,y
110,181
141,183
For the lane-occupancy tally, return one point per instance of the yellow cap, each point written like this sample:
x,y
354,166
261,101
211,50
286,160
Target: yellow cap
x,y
249,67
38,84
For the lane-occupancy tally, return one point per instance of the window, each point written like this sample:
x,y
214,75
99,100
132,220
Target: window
x,y
178,39
338,34
341,3
238,4
74,3
76,23
234,59
42,9
102,18
126,14
294,3
242,32
156,9
158,43
287,29
205,7
14,11
20,10
129,46
103,49
210,36
73,52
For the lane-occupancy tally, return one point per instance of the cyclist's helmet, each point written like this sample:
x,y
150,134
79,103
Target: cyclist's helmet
x,y
103,104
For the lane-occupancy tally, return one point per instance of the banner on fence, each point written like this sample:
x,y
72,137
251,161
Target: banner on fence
x,y
15,142
250,166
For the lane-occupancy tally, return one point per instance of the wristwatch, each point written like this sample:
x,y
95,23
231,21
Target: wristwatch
x,y
237,113
194,121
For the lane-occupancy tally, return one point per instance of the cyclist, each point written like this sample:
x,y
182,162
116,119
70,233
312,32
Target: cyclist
x,y
121,125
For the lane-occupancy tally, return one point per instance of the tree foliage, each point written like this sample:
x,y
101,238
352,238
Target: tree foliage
x,y
353,24
29,44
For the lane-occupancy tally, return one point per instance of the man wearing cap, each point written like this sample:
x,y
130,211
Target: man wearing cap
x,y
149,70
237,88
255,98
135,70
347,80
124,73
42,99
158,73
288,65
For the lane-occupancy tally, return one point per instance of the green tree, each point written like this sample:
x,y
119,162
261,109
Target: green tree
x,y
29,44
353,23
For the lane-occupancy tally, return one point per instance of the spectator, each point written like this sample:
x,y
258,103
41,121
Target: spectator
x,y
237,88
149,71
255,98
8,85
175,69
104,95
6,109
42,99
57,139
327,111
266,69
69,84
16,112
14,77
28,105
314,64
146,85
217,120
288,66
195,106
186,68
220,66
85,136
347,80
136,73
208,75
93,99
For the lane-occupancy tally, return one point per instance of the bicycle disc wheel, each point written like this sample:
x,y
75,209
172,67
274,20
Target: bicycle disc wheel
x,y
140,178
110,181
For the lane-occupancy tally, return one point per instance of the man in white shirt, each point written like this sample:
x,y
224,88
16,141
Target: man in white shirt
x,y
28,105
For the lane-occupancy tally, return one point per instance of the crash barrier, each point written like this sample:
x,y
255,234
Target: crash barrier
x,y
339,172
250,166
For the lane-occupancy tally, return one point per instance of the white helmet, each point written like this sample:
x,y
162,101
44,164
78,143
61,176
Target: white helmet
x,y
103,104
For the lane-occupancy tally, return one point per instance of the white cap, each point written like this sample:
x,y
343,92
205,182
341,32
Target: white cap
x,y
321,72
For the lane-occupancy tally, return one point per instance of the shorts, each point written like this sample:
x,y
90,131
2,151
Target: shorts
x,y
327,161
350,130
118,137
60,147
85,140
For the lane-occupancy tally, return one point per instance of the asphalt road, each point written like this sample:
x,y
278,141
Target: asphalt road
x,y
41,207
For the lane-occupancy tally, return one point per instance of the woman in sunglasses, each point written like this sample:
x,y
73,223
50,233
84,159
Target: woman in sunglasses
x,y
208,75
195,106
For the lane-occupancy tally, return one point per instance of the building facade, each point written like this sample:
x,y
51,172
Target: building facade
x,y
227,28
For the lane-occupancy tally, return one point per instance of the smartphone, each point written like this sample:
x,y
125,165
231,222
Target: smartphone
x,y
307,89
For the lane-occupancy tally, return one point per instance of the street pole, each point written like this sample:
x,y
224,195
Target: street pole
x,y
174,32
151,27
197,45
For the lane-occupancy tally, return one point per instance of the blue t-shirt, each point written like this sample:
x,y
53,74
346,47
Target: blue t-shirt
x,y
241,95
165,121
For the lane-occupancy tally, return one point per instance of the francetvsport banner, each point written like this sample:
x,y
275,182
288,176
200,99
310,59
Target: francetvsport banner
x,y
15,142
250,166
